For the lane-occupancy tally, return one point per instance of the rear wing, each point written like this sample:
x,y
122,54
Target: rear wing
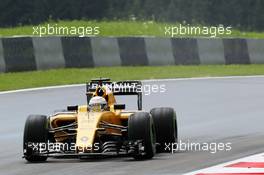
x,y
118,88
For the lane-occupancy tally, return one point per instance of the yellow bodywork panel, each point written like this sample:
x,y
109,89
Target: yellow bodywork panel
x,y
124,116
88,124
82,108
61,119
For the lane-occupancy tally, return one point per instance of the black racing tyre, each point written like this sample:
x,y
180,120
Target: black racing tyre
x,y
165,122
35,131
141,127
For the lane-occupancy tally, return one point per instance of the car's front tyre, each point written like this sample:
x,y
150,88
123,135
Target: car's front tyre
x,y
165,122
35,131
141,127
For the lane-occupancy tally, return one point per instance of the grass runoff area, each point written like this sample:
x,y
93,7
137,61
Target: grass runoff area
x,y
122,28
21,80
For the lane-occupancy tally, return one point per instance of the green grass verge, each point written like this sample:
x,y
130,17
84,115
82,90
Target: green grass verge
x,y
11,81
122,28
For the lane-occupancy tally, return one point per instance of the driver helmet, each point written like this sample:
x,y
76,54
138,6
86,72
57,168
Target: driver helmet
x,y
97,104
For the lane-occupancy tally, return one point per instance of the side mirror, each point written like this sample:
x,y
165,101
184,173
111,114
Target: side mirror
x,y
72,108
119,106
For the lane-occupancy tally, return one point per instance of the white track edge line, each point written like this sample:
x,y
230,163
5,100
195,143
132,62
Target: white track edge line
x,y
151,80
203,170
41,88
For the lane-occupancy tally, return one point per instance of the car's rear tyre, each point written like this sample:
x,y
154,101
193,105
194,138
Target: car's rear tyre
x,y
165,122
35,131
141,127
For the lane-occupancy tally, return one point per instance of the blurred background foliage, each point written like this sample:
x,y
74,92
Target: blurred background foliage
x,y
242,14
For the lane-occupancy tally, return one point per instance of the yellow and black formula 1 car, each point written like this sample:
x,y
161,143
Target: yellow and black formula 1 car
x,y
100,128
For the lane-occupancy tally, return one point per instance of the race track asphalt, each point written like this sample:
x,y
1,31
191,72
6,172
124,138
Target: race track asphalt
x,y
208,110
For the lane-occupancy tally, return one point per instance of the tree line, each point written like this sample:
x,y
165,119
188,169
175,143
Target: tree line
x,y
242,14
